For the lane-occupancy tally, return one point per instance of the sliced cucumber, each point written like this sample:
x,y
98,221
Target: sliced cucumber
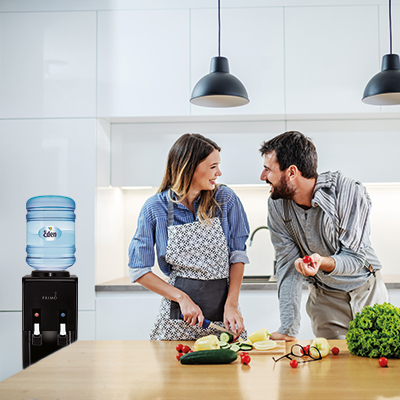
x,y
225,337
246,347
223,345
235,347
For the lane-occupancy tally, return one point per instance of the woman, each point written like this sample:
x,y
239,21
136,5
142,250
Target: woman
x,y
199,229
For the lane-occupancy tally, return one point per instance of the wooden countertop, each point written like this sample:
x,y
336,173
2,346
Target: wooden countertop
x,y
124,284
148,370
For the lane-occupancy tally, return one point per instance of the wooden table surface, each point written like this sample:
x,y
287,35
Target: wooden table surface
x,y
148,370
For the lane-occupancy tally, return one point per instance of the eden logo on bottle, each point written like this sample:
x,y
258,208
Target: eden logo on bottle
x,y
50,233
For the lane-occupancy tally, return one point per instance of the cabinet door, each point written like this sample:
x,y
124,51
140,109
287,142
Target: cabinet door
x,y
46,157
143,59
365,150
330,55
48,64
139,151
252,40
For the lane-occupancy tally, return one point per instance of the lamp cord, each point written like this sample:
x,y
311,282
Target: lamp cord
x,y
390,24
219,29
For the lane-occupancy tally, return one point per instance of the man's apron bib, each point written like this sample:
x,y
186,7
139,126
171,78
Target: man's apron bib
x,y
199,258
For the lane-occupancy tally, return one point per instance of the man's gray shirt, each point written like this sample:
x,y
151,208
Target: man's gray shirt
x,y
337,226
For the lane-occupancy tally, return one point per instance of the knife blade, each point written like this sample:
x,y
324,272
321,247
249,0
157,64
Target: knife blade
x,y
208,324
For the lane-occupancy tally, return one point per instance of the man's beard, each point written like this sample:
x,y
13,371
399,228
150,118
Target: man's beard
x,y
282,190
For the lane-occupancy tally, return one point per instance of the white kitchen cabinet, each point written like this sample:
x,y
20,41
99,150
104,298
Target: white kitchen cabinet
x,y
46,157
365,150
48,64
330,55
252,40
143,63
130,315
139,151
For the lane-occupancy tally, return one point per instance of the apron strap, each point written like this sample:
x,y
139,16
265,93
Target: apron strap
x,y
170,209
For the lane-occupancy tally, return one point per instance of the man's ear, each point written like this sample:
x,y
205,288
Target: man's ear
x,y
293,172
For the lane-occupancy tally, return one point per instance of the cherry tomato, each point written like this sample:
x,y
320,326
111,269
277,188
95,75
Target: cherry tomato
x,y
243,353
306,350
185,349
383,362
307,260
335,351
190,351
179,347
246,359
178,356
294,363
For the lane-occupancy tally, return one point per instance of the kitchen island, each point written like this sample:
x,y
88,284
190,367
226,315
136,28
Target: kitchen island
x,y
87,370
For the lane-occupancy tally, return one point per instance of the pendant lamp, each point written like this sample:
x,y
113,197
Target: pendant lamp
x,y
219,88
384,88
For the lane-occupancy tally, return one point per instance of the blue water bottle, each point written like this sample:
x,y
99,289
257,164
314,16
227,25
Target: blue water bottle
x,y
50,233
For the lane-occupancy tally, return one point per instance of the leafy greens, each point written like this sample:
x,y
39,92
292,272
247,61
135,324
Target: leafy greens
x,y
375,332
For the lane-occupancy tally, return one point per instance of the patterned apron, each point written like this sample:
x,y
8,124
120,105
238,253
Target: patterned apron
x,y
199,258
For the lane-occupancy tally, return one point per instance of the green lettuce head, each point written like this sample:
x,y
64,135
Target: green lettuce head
x,y
375,332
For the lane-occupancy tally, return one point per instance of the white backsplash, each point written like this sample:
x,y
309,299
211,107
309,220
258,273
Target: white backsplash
x,y
385,220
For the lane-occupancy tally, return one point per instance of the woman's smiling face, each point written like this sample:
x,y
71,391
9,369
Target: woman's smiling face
x,y
206,173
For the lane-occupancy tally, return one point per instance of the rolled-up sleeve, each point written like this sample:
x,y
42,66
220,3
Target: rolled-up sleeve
x,y
141,249
239,230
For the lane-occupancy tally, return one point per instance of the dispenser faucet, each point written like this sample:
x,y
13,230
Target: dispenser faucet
x,y
254,232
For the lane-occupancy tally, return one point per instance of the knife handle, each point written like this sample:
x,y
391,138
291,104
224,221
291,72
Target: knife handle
x,y
206,322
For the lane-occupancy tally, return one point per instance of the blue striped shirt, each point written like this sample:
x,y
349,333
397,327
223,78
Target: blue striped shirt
x,y
153,223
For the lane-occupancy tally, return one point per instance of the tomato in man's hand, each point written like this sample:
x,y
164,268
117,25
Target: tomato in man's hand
x,y
307,260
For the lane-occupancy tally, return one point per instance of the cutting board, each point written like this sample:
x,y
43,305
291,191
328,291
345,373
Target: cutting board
x,y
279,349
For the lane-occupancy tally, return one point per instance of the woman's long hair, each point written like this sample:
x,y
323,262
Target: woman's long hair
x,y
183,158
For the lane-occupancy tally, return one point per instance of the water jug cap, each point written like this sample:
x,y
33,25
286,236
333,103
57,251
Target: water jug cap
x,y
50,201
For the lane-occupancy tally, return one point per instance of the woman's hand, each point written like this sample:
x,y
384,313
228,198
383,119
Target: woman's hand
x,y
191,311
233,320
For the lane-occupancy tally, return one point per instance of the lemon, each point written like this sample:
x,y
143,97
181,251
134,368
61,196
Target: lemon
x,y
264,345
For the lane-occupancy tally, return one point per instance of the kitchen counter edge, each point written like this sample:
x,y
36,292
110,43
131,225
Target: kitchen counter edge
x,y
124,285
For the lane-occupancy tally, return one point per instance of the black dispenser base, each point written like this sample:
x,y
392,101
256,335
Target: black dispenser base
x,y
49,313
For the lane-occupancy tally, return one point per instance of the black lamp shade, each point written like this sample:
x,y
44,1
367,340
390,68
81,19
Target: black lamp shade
x,y
384,88
219,88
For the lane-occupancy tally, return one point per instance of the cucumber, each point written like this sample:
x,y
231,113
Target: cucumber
x,y
218,356
245,347
235,347
225,337
223,345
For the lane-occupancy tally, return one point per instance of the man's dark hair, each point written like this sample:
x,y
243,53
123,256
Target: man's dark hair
x,y
293,148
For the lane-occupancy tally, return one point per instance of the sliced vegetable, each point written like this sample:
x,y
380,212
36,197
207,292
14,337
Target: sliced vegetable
x,y
264,345
209,342
223,345
235,347
259,336
218,356
246,347
225,337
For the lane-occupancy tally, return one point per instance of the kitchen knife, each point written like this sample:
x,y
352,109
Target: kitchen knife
x,y
208,324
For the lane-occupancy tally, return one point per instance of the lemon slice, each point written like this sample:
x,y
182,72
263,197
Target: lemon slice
x,y
265,345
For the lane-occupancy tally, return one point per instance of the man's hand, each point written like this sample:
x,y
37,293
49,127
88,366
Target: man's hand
x,y
318,262
281,336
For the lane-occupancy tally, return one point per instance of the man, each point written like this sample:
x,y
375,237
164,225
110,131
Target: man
x,y
325,217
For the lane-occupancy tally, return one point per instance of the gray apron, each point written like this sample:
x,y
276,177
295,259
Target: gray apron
x,y
199,258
